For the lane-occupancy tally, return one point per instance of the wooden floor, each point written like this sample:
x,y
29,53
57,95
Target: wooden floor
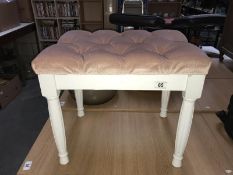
x,y
126,136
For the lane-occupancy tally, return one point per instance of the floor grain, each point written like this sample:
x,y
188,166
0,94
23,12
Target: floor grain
x,y
125,143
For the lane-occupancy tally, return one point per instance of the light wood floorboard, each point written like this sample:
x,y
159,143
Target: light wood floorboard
x,y
129,143
219,70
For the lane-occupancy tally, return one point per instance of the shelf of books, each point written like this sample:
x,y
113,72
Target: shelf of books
x,y
53,18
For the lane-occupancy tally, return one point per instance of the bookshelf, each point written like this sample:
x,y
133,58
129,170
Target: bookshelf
x,y
55,17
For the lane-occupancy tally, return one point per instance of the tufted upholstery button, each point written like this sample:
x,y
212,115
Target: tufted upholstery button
x,y
130,52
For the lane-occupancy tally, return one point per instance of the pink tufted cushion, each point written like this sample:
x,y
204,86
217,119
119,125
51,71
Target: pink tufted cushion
x,y
130,52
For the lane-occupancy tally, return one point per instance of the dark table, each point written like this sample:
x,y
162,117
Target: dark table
x,y
11,35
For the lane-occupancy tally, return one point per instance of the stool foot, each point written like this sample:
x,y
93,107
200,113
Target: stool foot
x,y
163,113
80,113
79,102
64,159
177,161
164,103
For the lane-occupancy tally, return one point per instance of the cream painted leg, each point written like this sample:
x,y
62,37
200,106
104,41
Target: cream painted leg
x,y
193,91
164,103
183,130
79,102
48,90
58,129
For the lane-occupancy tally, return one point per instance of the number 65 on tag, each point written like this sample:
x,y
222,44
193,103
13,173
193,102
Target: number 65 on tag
x,y
161,84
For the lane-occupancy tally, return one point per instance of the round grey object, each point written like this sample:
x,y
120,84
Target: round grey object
x,y
96,97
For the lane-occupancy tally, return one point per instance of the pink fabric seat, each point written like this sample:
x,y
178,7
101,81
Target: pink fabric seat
x,y
130,52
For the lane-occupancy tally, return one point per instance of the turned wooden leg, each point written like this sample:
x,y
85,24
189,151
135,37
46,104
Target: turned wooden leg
x,y
192,92
164,103
49,91
183,130
79,102
56,119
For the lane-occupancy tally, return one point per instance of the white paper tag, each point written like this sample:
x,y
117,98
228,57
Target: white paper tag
x,y
161,84
27,165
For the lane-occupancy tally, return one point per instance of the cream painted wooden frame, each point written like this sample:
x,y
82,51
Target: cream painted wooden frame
x,y
190,85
